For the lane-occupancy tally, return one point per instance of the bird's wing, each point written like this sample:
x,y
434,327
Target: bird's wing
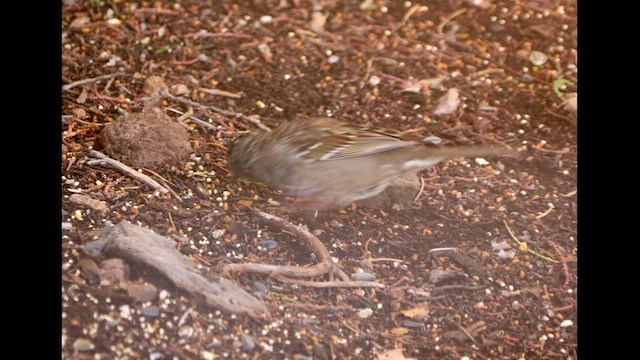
x,y
349,141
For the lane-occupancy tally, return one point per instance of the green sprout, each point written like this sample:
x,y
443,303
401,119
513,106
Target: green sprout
x,y
559,83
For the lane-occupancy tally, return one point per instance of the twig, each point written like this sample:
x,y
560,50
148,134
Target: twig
x,y
282,270
326,264
376,220
194,119
204,34
184,316
344,323
563,261
367,73
246,118
473,328
156,11
331,284
409,13
90,80
458,287
562,117
421,190
104,160
386,259
528,250
219,92
171,221
331,308
547,212
444,22
165,181
186,115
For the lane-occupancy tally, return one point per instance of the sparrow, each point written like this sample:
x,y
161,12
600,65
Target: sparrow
x,y
331,164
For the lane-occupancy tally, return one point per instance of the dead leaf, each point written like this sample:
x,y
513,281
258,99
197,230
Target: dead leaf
x,y
318,20
506,254
89,269
179,89
395,354
421,311
502,245
466,334
420,86
154,84
399,331
87,200
448,103
80,21
142,292
113,271
82,98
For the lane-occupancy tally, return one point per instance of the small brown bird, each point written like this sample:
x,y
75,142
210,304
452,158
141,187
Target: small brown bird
x,y
331,164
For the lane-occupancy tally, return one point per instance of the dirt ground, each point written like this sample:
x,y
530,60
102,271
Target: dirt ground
x,y
507,292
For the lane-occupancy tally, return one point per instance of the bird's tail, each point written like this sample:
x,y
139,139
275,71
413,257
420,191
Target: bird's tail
x,y
475,151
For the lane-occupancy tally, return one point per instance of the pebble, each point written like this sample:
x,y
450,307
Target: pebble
x,y
207,355
436,275
82,344
215,344
363,276
267,244
365,313
258,286
526,78
538,58
310,321
150,312
566,323
412,324
185,332
302,357
247,342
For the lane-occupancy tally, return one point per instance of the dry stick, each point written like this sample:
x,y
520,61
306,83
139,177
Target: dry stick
x,y
284,270
311,240
421,190
528,250
326,264
164,183
219,92
91,80
331,284
194,119
563,262
308,306
104,160
325,261
252,121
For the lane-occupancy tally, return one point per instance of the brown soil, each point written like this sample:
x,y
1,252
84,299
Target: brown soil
x,y
274,59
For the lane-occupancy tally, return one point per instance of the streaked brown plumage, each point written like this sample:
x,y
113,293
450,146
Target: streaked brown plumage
x,y
333,164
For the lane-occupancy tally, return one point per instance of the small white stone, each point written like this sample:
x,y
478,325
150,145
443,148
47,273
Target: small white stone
x,y
566,323
365,313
